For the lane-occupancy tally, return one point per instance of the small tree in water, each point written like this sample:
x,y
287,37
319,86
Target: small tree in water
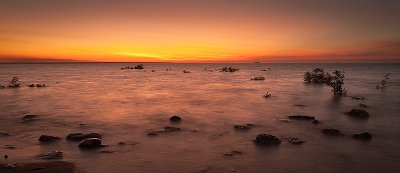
x,y
316,76
14,83
383,83
335,80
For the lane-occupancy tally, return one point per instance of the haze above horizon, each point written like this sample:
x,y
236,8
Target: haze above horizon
x,y
200,31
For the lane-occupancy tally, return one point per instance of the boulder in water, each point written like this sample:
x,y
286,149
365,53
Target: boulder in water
x,y
47,138
30,117
332,132
266,140
301,117
358,113
51,156
175,118
90,143
364,136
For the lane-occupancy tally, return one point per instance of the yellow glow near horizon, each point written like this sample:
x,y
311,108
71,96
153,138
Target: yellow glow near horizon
x,y
189,31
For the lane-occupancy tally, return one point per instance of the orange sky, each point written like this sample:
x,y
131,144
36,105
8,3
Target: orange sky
x,y
200,30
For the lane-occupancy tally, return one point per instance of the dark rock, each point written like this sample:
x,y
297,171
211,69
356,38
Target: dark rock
x,y
299,105
90,143
82,136
164,130
106,151
332,132
152,134
258,78
175,118
358,98
4,134
266,139
232,153
358,113
242,127
121,143
315,121
9,166
364,136
30,117
294,140
52,155
363,105
6,156
46,138
301,117
171,129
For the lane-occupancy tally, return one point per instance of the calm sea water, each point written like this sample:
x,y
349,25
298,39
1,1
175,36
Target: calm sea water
x,y
124,105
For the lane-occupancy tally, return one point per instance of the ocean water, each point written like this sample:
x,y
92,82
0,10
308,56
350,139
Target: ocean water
x,y
125,105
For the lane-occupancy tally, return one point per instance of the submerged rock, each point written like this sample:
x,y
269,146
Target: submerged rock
x,y
82,136
37,85
46,138
4,134
267,95
332,132
294,140
266,139
30,117
301,117
51,156
90,143
171,129
363,105
242,127
258,78
175,118
315,121
232,153
358,113
364,136
164,130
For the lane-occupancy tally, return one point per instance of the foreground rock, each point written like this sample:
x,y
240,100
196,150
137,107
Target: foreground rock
x,y
332,132
90,143
301,117
46,138
363,136
51,156
39,167
294,140
266,140
82,136
175,119
358,113
30,117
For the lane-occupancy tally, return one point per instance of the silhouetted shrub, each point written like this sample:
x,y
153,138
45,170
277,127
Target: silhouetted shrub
x,y
139,67
14,83
228,69
334,79
383,83
316,76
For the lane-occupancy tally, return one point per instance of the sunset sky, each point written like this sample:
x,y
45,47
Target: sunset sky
x,y
200,30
